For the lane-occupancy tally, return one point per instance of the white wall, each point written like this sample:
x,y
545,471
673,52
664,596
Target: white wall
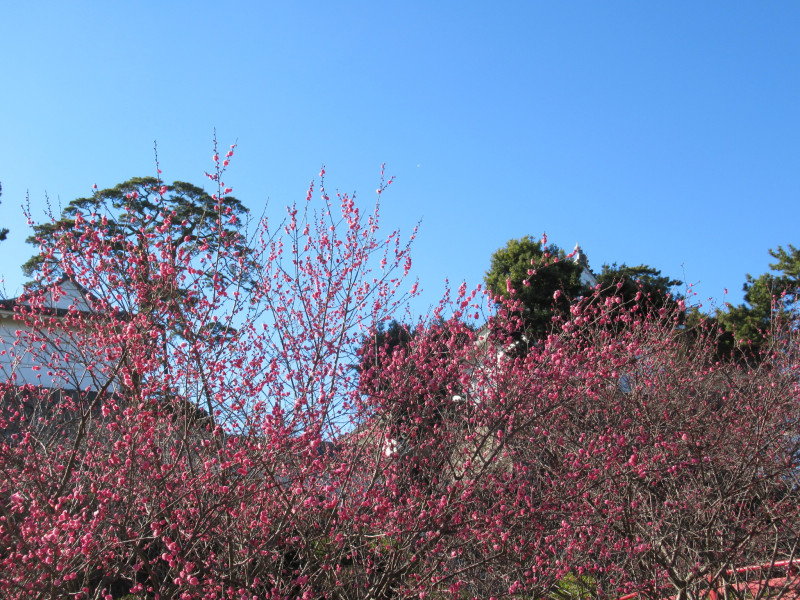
x,y
53,359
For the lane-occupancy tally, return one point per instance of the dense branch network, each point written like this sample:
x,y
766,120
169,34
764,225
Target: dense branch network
x,y
209,419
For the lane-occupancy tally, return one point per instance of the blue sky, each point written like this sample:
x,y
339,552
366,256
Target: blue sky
x,y
658,133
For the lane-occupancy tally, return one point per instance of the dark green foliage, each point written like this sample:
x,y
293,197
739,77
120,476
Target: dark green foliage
x,y
642,285
535,285
696,323
377,350
768,297
431,348
417,402
789,281
395,335
145,224
135,208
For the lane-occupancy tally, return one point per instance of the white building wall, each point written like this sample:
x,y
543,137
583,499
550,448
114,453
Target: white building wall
x,y
62,358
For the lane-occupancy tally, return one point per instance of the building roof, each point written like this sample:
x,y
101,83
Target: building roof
x,y
62,297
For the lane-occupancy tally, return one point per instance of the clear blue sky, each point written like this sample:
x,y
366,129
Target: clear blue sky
x,y
659,133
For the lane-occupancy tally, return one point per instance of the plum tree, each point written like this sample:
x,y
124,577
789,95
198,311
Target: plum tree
x,y
523,471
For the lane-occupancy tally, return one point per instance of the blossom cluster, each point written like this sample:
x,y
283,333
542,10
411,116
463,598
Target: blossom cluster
x,y
235,432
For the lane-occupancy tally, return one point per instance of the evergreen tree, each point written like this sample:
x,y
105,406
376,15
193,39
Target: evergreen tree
x,y
150,233
142,207
641,284
767,298
542,278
